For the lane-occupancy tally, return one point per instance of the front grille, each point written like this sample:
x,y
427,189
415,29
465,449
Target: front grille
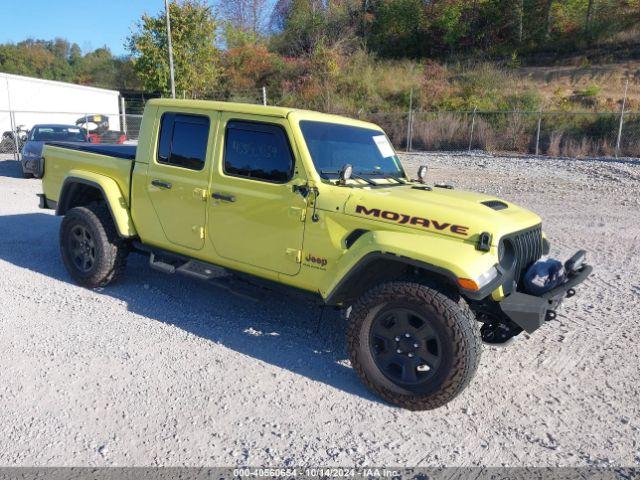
x,y
527,246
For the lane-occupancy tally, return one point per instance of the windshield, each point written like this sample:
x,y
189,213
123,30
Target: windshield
x,y
58,133
333,145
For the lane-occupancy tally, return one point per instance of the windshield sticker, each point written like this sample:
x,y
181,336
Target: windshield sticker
x,y
74,130
386,150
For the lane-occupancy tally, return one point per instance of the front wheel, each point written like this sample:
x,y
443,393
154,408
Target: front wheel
x,y
92,251
25,174
413,345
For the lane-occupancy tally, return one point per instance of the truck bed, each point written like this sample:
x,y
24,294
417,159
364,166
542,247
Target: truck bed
x,y
128,152
65,159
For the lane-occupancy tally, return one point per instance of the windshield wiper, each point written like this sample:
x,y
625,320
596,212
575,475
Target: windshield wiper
x,y
353,175
368,180
329,172
389,175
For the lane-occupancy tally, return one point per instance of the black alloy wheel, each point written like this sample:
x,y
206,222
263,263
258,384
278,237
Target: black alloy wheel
x,y
82,248
405,346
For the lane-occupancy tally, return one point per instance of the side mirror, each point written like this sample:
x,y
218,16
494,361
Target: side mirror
x,y
422,173
345,173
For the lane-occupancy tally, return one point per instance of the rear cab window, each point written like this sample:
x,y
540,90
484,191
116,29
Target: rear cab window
x,y
183,140
257,151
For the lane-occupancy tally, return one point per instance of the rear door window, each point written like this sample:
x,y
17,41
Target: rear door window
x,y
183,140
259,151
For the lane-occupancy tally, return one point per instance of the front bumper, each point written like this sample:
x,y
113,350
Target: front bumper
x,y
530,312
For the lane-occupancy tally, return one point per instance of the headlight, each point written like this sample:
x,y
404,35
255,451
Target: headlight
x,y
487,277
546,246
479,283
506,254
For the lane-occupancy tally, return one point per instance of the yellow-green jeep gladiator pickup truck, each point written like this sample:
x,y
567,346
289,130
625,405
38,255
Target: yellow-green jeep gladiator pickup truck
x,y
321,204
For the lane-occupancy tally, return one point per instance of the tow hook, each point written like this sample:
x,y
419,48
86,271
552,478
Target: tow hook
x,y
499,333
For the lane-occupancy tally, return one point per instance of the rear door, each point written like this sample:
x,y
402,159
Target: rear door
x,y
256,217
178,176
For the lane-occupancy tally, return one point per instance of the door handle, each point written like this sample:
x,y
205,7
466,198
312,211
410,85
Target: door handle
x,y
223,197
161,184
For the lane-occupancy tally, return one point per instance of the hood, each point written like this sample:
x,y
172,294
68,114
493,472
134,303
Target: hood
x,y
457,213
33,148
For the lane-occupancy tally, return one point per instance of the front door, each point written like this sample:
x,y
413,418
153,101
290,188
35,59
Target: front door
x,y
178,177
256,216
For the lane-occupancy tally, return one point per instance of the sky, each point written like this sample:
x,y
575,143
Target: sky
x,y
89,23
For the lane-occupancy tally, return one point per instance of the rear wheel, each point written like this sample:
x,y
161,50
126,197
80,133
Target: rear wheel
x,y
92,251
413,345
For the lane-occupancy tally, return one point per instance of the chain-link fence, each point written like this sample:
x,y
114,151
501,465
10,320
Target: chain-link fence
x,y
98,128
570,134
115,127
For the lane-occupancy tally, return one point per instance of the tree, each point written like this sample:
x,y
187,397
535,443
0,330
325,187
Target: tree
x,y
303,26
520,19
397,28
63,61
196,57
249,67
547,19
246,15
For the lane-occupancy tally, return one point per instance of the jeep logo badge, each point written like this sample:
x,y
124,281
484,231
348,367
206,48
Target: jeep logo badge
x,y
322,262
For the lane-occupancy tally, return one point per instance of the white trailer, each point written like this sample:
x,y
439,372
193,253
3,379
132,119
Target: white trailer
x,y
28,101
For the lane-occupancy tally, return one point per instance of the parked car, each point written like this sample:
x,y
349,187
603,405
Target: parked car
x,y
97,127
31,155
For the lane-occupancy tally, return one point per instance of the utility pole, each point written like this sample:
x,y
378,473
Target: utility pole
x,y
173,79
538,132
12,122
410,122
473,124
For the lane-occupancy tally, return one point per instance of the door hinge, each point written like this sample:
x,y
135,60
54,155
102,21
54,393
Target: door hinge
x,y
198,230
201,193
299,212
295,253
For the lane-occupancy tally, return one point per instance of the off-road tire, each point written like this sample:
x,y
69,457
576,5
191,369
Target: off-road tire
x,y
110,249
450,317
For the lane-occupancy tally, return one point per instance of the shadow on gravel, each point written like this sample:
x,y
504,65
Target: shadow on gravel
x,y
286,332
10,168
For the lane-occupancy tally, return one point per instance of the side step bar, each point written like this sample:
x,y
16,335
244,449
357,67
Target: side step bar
x,y
240,284
170,263
200,270
160,265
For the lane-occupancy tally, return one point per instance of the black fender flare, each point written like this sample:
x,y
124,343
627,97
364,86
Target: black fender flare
x,y
66,195
341,292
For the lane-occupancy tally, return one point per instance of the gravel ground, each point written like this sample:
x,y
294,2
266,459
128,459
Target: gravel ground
x,y
164,370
